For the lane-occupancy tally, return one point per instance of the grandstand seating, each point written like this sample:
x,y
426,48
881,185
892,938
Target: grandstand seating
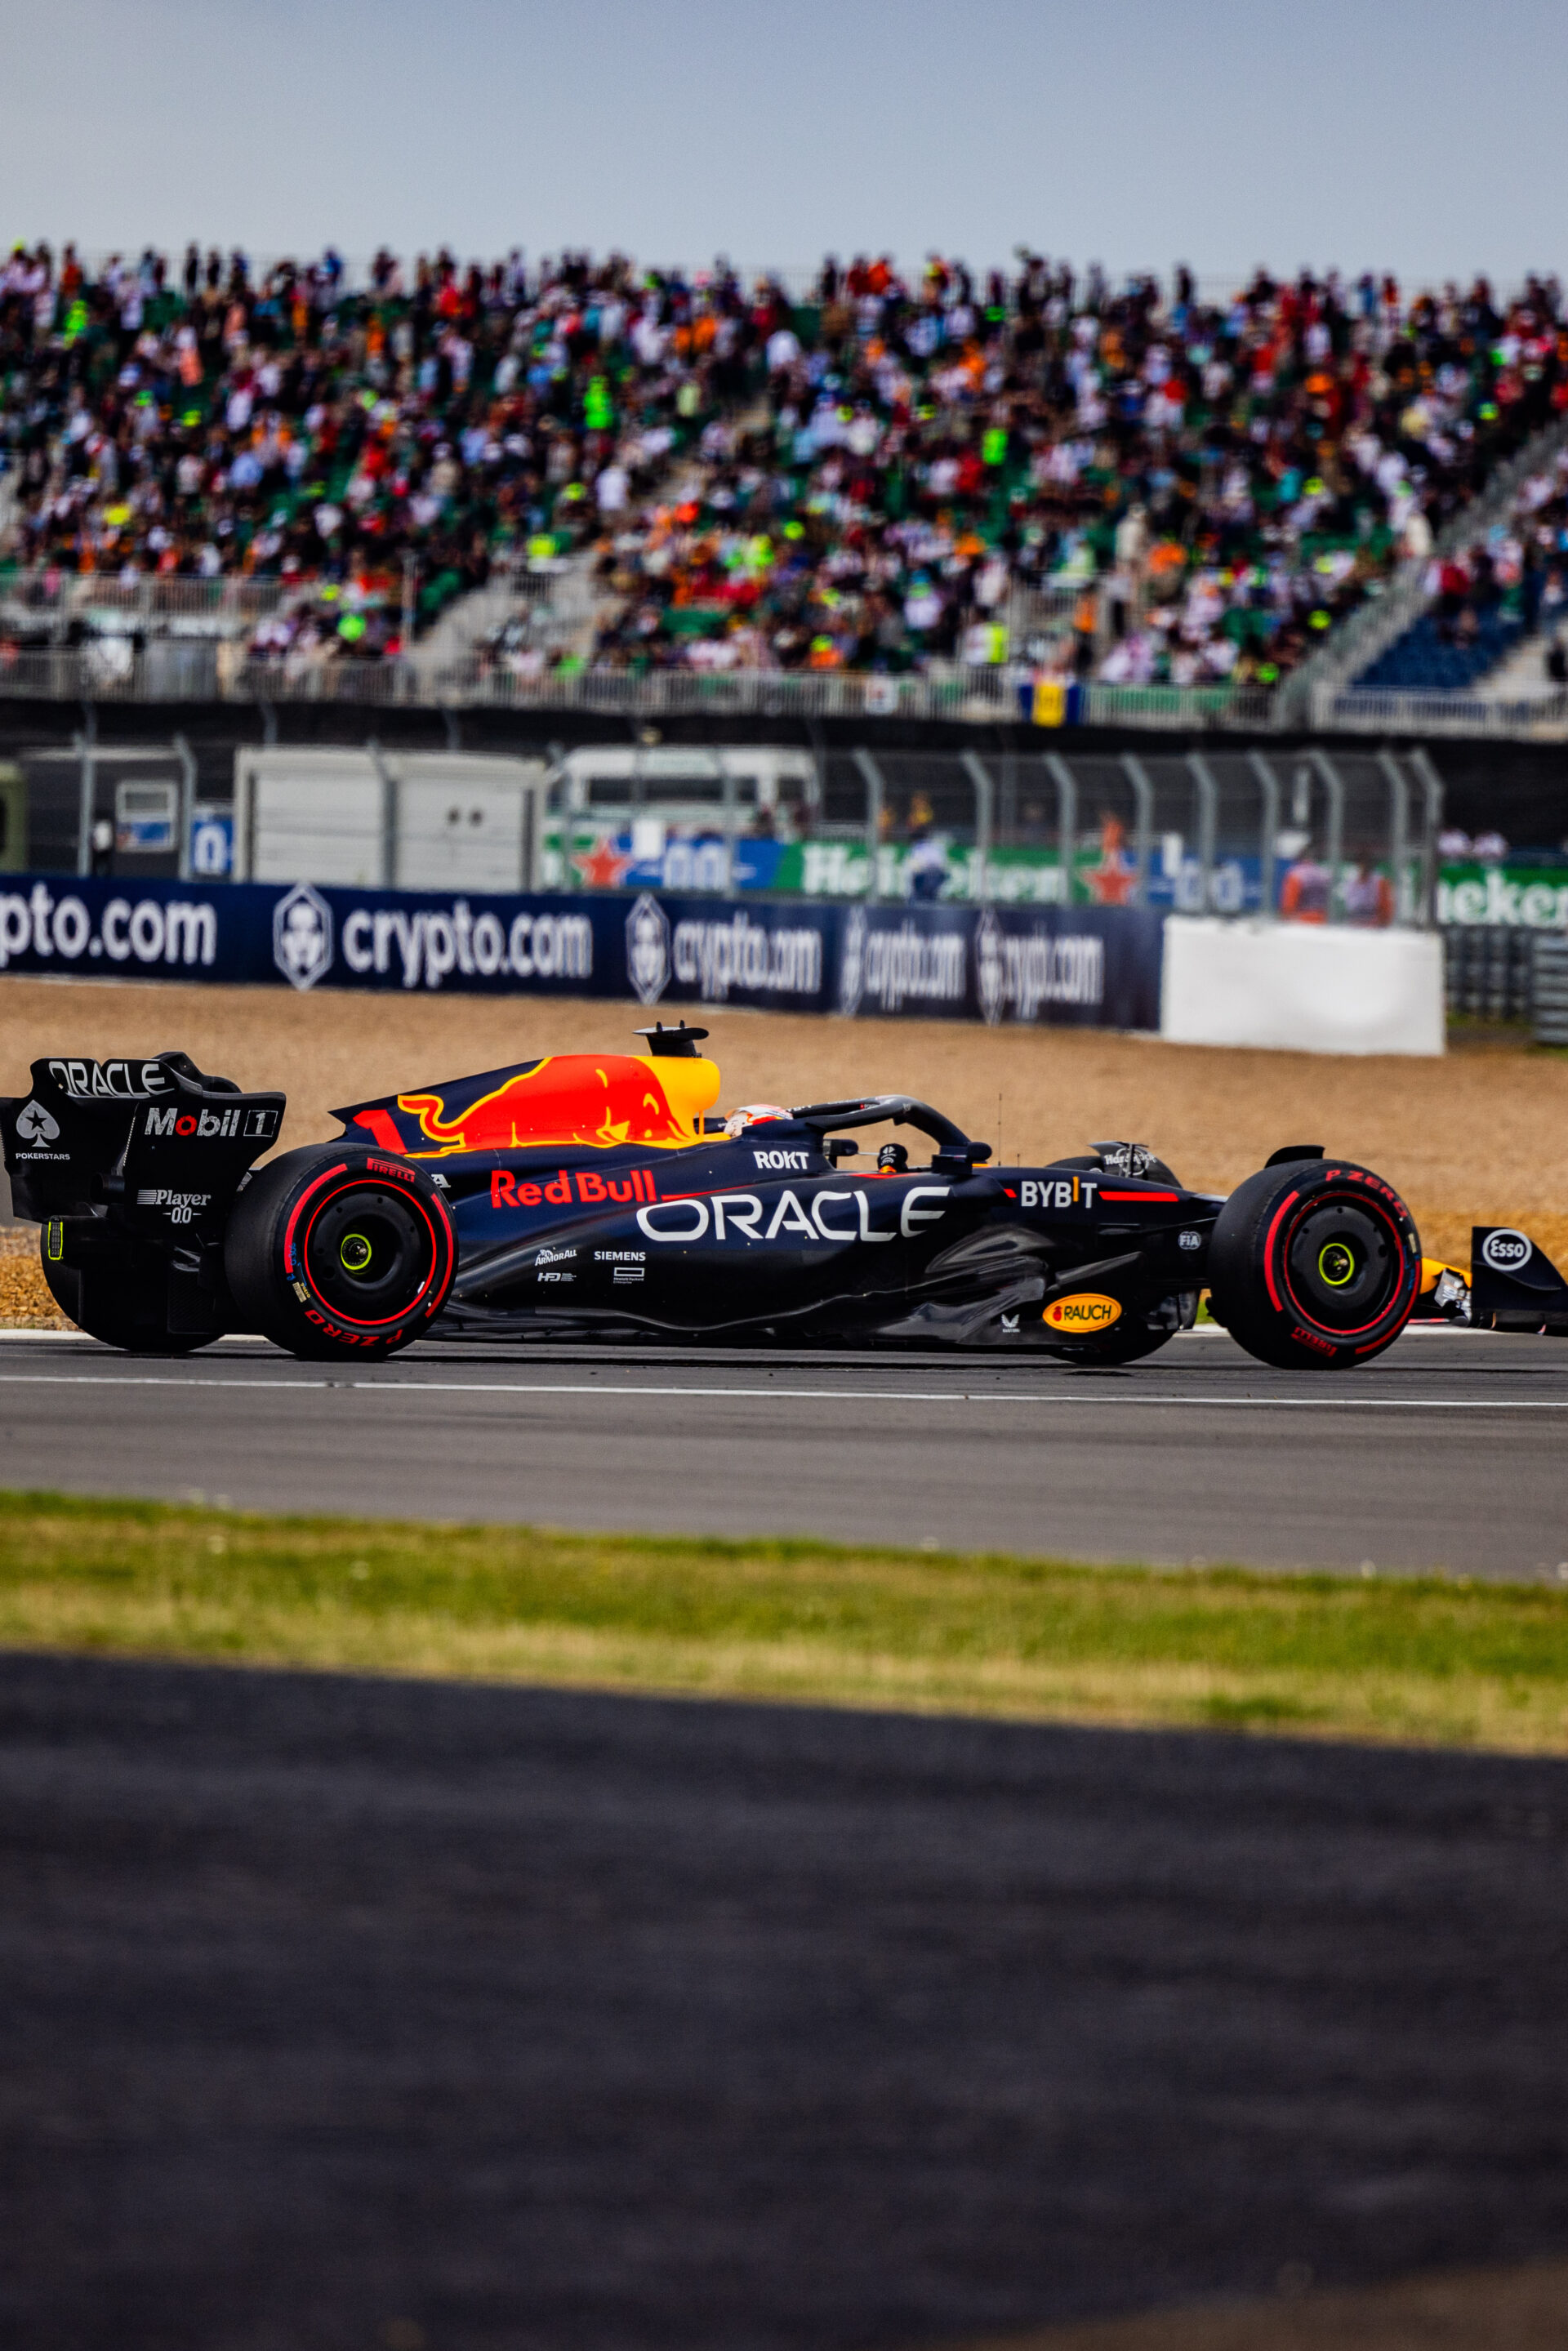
x,y
1488,603
1428,658
880,477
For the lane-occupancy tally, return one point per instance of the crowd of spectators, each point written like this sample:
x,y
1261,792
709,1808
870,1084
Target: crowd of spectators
x,y
1139,483
1227,479
374,450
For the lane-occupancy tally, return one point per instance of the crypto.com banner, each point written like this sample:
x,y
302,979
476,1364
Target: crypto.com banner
x,y
1093,967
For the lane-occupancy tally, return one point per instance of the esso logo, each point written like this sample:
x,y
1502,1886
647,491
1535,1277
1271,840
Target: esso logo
x,y
1506,1251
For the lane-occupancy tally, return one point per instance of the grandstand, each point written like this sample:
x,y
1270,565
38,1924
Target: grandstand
x,y
1498,606
578,467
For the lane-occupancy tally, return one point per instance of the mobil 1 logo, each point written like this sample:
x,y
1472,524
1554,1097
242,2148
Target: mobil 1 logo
x,y
243,1121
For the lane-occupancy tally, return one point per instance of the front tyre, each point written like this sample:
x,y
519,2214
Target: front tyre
x,y
1315,1264
338,1253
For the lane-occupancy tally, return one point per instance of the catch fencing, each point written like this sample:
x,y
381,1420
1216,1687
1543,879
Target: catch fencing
x,y
1340,836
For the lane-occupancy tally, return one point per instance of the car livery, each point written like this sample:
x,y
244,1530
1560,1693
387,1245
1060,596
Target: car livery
x,y
600,1197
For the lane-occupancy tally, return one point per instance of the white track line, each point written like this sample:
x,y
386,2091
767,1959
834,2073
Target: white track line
x,y
799,1396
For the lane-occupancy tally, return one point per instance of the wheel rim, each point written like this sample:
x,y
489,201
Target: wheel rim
x,y
370,1255
1344,1264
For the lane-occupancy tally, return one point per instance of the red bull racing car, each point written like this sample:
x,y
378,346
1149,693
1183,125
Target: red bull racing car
x,y
588,1196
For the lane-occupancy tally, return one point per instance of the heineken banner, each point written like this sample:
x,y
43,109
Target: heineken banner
x,y
1089,966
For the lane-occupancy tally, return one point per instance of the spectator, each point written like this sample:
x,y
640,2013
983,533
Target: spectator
x,y
870,480
1304,893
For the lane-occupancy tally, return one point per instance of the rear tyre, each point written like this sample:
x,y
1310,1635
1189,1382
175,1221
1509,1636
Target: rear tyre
x,y
1315,1264
122,1305
334,1253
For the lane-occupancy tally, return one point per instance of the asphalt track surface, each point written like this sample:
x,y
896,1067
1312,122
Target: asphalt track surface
x,y
1450,1452
349,2013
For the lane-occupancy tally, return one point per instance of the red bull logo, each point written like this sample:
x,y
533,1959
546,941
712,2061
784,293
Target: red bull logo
x,y
509,1191
581,1098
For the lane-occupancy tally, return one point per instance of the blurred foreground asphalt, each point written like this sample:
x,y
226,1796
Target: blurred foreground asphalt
x,y
417,2017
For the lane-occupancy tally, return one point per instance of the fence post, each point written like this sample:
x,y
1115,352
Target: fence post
x,y
1398,832
1207,825
1066,785
874,808
980,778
1431,825
1137,775
727,793
819,796
85,746
389,815
1334,784
1269,831
184,753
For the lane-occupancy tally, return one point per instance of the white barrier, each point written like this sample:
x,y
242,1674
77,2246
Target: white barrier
x,y
1302,988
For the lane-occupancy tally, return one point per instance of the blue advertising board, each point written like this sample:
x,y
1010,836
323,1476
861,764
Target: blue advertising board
x,y
1083,967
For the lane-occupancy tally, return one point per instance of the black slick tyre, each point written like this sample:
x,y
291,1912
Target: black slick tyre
x,y
336,1252
1315,1264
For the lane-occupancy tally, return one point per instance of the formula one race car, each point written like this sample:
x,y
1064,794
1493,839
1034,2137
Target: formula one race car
x,y
588,1196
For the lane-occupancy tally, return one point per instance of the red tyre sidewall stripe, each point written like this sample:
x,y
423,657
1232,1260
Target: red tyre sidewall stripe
x,y
431,1283
1360,1330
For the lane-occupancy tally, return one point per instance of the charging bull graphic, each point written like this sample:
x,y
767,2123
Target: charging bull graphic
x,y
574,1098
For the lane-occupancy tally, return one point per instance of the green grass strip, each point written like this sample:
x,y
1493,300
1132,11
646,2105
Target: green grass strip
x,y
1448,1662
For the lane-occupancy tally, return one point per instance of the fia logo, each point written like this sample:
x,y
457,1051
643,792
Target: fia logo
x,y
648,949
302,937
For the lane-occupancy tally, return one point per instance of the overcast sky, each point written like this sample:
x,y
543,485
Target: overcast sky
x,y
1422,135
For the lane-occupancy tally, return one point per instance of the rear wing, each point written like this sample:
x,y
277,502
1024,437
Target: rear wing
x,y
136,1133
1514,1286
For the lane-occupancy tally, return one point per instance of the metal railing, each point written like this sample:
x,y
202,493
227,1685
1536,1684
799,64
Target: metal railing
x,y
178,667
1388,710
1178,707
46,594
116,670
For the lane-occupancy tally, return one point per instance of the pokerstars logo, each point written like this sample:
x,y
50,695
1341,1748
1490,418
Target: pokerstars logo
x,y
34,1124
